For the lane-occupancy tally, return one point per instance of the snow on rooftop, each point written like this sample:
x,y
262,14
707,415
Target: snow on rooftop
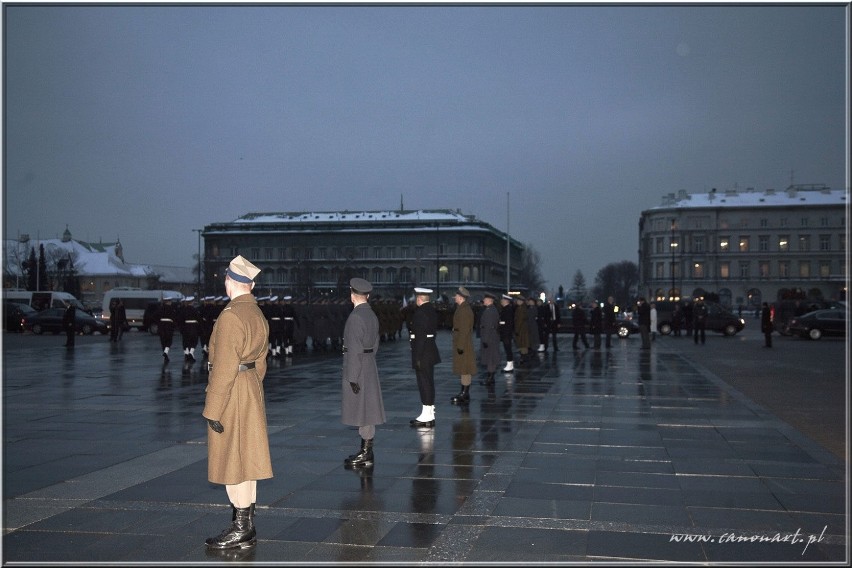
x,y
793,195
354,216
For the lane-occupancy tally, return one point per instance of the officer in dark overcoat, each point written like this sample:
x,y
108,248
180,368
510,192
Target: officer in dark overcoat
x,y
362,404
489,338
424,354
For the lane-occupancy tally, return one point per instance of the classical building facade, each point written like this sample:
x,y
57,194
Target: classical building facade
x,y
746,246
314,254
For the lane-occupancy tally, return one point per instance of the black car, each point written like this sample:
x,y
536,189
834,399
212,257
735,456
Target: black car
x,y
815,324
50,320
14,314
719,318
625,325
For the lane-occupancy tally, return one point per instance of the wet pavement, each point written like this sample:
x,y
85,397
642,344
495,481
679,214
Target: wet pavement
x,y
618,455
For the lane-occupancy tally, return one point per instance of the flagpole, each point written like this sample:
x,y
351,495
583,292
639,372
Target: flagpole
x,y
508,265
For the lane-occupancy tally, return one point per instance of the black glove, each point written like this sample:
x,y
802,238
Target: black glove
x,y
216,426
485,345
460,351
355,388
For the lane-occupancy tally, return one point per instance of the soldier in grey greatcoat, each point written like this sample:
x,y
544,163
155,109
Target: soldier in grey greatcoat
x,y
362,403
489,338
464,358
238,441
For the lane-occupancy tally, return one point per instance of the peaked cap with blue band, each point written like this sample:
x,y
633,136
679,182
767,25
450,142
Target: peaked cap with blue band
x,y
242,270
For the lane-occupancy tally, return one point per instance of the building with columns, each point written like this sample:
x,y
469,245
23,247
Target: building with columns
x,y
747,246
314,254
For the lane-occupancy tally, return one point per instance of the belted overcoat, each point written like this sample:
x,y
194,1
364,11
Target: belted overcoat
x,y
464,363
235,398
360,344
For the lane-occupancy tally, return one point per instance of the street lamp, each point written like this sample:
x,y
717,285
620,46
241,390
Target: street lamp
x,y
673,246
198,285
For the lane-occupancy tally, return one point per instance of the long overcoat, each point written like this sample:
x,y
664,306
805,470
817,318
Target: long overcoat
x,y
464,363
235,398
360,343
522,335
532,325
424,323
489,338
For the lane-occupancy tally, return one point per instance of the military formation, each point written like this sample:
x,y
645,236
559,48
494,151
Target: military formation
x,y
295,326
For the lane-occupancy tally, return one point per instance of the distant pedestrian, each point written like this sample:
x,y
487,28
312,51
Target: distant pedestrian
x,y
596,324
699,320
166,317
653,321
362,403
543,324
677,320
507,330
609,309
532,326
489,337
644,316
424,354
464,358
190,327
117,320
553,320
580,321
69,323
767,326
522,335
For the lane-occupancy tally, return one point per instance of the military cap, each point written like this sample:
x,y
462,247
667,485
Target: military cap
x,y
287,298
242,270
360,286
189,299
507,297
273,299
419,290
490,295
462,291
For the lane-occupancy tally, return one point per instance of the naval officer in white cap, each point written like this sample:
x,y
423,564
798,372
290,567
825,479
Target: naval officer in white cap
x,y
424,354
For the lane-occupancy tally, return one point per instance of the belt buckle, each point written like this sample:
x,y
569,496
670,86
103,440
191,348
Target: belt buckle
x,y
209,366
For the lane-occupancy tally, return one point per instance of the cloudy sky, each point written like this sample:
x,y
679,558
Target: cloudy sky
x,y
146,122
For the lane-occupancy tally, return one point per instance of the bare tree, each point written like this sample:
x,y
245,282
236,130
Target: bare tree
x,y
619,280
578,288
529,274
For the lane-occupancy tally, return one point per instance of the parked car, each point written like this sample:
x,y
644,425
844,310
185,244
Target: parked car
x,y
719,318
50,320
14,314
815,324
625,325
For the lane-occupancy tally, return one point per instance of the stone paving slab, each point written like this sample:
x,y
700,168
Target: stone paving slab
x,y
584,456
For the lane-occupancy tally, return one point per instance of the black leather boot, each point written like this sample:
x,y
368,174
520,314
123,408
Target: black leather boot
x,y
489,380
463,397
240,534
364,458
234,513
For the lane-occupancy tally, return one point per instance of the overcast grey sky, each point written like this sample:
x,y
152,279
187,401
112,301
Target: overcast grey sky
x,y
146,122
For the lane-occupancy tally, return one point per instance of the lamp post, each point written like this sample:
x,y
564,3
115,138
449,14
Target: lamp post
x,y
673,246
198,285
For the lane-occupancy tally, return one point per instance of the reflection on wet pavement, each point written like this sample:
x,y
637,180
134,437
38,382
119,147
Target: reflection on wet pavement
x,y
579,455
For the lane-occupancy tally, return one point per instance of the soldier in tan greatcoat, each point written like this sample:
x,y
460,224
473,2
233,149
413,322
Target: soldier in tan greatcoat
x,y
238,442
464,358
